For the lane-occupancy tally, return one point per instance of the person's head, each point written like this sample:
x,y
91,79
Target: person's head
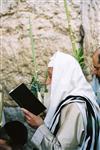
x,y
14,132
96,63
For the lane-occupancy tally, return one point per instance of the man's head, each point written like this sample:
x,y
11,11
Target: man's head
x,y
96,63
66,78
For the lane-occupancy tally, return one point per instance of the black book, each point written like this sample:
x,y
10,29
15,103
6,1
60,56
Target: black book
x,y
25,99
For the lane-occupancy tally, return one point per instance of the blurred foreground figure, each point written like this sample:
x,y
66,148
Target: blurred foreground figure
x,y
13,135
71,122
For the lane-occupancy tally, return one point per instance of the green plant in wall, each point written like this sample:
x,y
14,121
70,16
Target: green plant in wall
x,y
37,87
71,34
79,55
77,52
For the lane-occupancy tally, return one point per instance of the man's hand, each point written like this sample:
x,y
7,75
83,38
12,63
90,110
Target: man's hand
x,y
33,120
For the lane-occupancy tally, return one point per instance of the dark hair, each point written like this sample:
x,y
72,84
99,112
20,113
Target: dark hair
x,y
15,133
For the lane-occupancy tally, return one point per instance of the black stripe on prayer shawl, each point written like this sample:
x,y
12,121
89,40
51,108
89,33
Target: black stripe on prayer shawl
x,y
69,97
61,105
90,114
89,122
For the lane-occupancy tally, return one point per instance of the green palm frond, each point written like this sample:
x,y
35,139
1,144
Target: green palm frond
x,y
33,50
36,85
77,52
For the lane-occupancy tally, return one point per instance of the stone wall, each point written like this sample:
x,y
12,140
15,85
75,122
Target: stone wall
x,y
50,33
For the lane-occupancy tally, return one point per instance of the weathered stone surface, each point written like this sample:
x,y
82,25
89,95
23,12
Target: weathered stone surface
x,y
50,32
91,24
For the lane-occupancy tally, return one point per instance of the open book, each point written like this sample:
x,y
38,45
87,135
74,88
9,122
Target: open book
x,y
25,98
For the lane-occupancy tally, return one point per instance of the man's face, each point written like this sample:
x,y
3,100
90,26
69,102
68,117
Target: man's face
x,y
49,78
96,66
48,83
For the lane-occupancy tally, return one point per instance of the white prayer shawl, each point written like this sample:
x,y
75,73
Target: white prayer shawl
x,y
67,79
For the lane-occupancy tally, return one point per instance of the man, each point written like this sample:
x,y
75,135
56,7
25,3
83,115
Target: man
x,y
71,110
96,74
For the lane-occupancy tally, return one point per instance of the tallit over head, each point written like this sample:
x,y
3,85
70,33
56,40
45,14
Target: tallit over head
x,y
67,79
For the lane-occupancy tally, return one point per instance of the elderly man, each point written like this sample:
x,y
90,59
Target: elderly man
x,y
96,74
66,125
